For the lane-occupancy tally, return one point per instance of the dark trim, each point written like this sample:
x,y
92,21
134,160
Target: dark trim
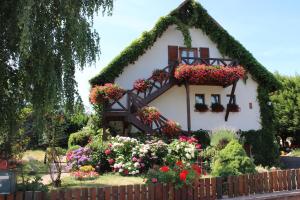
x,y
188,106
230,100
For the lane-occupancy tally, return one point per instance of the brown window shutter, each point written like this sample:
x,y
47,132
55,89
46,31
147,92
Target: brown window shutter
x,y
204,53
172,54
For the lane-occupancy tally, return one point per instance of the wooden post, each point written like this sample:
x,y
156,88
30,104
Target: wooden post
x,y
188,107
230,100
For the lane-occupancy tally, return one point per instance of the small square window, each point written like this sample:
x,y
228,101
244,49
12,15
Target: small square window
x,y
215,98
234,98
200,99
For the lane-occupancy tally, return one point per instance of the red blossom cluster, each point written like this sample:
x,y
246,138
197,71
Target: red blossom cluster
x,y
203,74
190,140
79,175
141,85
149,114
159,75
101,93
171,128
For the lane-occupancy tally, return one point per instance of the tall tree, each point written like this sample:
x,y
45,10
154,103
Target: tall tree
x,y
41,44
286,103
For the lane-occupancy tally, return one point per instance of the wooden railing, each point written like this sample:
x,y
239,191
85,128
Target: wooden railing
x,y
202,189
209,61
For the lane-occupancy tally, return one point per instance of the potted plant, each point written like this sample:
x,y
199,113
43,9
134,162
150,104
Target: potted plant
x,y
159,75
217,107
233,107
171,128
148,114
200,107
101,93
141,85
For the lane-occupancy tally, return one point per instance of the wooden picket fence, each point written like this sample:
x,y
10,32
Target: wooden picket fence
x,y
202,189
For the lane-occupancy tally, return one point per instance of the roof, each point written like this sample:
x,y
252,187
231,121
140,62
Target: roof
x,y
192,14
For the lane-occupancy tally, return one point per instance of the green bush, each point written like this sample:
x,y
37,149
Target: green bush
x,y
81,137
221,137
72,148
207,156
265,149
232,160
203,137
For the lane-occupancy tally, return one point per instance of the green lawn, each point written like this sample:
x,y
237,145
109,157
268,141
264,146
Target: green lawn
x,y
103,180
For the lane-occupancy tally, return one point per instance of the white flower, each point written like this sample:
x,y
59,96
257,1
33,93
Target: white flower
x,y
121,170
136,165
188,156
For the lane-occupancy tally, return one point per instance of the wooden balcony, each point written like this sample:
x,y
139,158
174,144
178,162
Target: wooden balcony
x,y
209,61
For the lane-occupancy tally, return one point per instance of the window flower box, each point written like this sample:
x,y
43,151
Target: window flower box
x,y
100,94
217,107
233,108
201,107
204,74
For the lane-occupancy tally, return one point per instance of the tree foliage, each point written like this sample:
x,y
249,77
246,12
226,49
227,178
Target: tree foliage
x,y
42,42
286,102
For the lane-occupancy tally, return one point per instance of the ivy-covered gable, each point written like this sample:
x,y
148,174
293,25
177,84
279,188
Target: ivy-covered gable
x,y
189,14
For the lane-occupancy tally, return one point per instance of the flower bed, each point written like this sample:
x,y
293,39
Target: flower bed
x,y
159,75
203,74
109,91
141,85
171,128
149,114
200,107
77,158
86,172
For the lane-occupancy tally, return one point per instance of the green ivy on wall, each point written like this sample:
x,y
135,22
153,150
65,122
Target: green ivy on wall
x,y
192,14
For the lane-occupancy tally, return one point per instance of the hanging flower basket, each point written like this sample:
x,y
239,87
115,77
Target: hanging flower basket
x,y
217,107
233,108
141,85
200,107
149,114
203,74
159,75
171,128
109,91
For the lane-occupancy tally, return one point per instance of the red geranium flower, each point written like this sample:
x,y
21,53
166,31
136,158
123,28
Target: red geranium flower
x,y
164,169
107,151
183,175
179,163
197,168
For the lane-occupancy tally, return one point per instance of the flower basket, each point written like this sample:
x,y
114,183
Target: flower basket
x,y
141,85
171,128
203,74
217,107
149,114
109,91
159,75
233,108
200,107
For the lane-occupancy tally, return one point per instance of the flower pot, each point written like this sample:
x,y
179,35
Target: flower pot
x,y
216,107
201,107
233,108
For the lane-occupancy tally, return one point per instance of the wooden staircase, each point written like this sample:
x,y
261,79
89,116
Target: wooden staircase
x,y
126,108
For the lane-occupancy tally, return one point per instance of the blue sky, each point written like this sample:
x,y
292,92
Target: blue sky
x,y
269,29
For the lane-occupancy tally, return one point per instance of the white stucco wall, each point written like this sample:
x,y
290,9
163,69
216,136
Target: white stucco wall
x,y
172,104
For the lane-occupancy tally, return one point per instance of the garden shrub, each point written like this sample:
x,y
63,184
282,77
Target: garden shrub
x,y
265,150
221,137
72,148
77,158
99,159
232,160
203,137
81,137
207,156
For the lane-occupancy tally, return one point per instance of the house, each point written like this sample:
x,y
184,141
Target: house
x,y
187,37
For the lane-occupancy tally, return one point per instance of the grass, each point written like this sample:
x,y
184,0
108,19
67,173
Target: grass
x,y
103,180
34,163
295,152
38,155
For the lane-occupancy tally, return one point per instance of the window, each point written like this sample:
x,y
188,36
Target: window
x,y
215,99
234,98
200,99
187,56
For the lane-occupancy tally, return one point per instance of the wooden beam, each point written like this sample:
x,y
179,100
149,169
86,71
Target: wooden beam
x,y
188,107
230,99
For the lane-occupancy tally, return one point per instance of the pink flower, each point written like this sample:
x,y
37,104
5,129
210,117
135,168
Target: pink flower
x,y
134,159
198,146
154,180
111,161
107,152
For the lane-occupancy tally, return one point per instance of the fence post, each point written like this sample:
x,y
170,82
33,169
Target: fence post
x,y
219,186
